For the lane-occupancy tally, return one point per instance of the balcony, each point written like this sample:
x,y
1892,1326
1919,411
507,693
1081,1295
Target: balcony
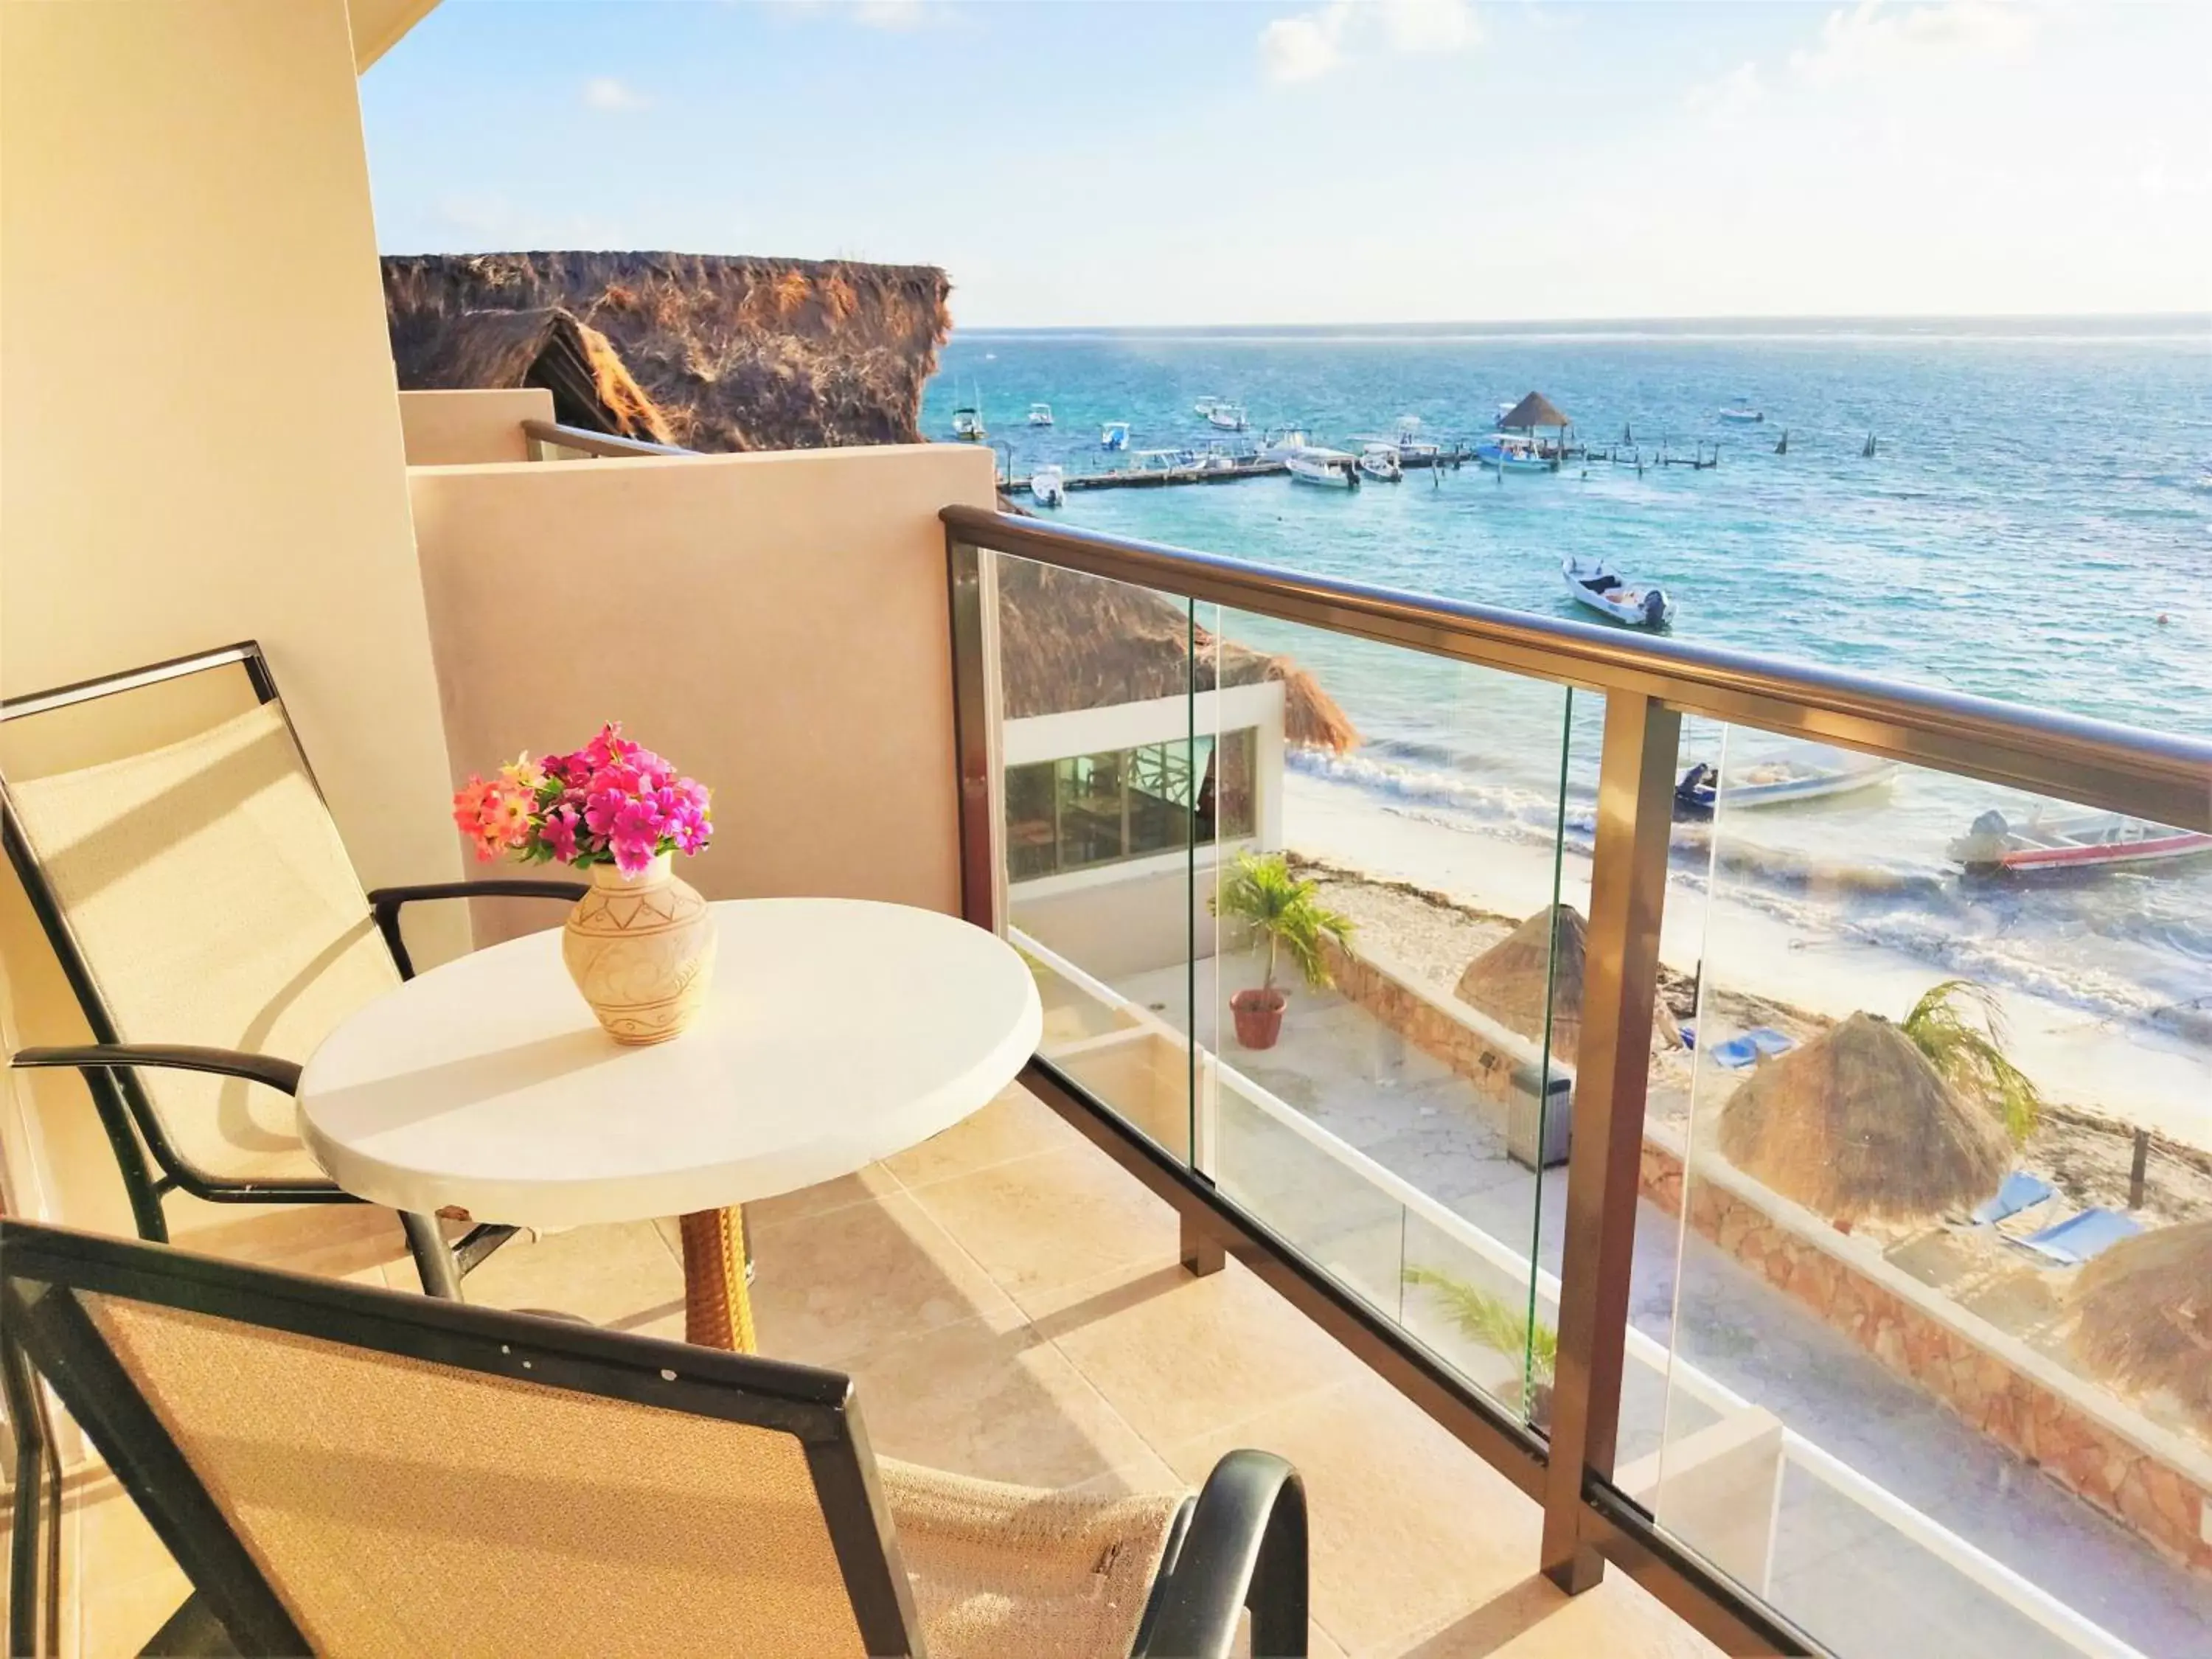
x,y
1424,1235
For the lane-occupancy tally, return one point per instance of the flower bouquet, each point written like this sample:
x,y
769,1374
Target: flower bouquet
x,y
641,944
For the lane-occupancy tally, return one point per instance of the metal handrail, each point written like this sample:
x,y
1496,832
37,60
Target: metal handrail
x,y
604,444
2162,776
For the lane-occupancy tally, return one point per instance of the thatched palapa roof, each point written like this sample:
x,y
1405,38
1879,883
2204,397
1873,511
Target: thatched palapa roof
x,y
544,346
2143,1314
1532,411
1857,1124
1069,641
1507,982
736,353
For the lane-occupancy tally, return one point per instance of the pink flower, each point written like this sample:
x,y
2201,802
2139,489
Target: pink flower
x,y
632,857
468,804
558,833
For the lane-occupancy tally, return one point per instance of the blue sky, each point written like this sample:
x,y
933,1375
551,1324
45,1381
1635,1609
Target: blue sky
x,y
1165,161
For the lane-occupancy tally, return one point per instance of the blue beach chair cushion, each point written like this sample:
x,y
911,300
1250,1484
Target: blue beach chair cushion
x,y
2078,1238
2020,1191
1739,1052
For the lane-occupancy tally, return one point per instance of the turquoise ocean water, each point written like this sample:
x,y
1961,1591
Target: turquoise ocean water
x,y
2040,497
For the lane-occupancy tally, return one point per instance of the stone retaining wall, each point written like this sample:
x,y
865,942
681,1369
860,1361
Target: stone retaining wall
x,y
2003,1397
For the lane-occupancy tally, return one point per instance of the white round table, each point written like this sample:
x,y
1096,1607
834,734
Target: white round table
x,y
837,1031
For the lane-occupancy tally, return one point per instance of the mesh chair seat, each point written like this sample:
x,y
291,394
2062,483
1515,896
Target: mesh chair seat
x,y
266,941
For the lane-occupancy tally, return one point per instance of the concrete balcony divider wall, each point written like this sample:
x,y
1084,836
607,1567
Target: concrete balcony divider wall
x,y
775,623
466,428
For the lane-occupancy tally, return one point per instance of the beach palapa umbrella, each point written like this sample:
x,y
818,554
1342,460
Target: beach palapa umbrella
x,y
1856,1124
1533,411
1507,981
2143,1314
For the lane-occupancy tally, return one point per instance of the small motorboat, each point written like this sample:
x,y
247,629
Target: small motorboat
x,y
1040,414
1410,442
1204,406
1742,413
1279,443
1215,458
1227,418
1165,460
1332,468
1507,452
1380,461
2045,845
1595,583
1774,783
1049,486
1114,435
968,425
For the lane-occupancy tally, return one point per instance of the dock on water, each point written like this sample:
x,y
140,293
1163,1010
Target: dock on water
x,y
1155,478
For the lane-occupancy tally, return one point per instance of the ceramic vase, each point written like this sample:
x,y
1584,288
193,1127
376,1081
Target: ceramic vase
x,y
641,949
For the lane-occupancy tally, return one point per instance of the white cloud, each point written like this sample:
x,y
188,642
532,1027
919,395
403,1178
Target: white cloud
x,y
1871,38
1312,43
605,93
1729,101
897,15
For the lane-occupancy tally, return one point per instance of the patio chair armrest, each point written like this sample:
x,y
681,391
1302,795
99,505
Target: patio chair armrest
x,y
386,902
1245,1547
280,1074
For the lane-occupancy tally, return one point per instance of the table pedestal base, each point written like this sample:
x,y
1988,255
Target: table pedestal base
x,y
718,1312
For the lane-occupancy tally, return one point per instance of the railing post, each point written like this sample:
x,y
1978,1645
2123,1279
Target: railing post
x,y
1628,885
971,592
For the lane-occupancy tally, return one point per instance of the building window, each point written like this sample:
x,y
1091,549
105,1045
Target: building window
x,y
1088,810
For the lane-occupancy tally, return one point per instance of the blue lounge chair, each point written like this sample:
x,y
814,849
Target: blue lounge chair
x,y
2077,1239
2020,1191
1763,1040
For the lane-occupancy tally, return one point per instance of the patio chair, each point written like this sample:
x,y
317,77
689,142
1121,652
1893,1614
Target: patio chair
x,y
342,1470
206,915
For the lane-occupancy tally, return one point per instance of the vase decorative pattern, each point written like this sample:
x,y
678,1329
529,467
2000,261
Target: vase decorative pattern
x,y
641,949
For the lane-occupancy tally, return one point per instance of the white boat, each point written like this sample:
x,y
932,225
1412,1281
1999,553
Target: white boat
x,y
1279,443
1508,452
1742,413
1040,414
1204,406
1165,460
1114,435
1049,486
1380,461
968,425
1330,467
1409,441
2045,845
1595,583
1775,783
1229,418
1217,457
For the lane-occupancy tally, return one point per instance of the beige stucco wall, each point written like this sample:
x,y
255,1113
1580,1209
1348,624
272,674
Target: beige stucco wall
x,y
199,433
464,428
775,624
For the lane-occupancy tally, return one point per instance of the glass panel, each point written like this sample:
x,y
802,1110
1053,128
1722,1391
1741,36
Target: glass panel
x,y
1102,809
1936,1180
1373,973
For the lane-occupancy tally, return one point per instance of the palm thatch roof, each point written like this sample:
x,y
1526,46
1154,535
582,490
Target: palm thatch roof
x,y
1069,641
1532,411
1856,1125
545,346
2143,1314
736,353
1509,983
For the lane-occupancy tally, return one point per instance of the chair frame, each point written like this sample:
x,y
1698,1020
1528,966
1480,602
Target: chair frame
x,y
110,1067
1241,1544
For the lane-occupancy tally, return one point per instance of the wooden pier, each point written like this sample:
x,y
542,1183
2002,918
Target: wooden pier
x,y
1155,478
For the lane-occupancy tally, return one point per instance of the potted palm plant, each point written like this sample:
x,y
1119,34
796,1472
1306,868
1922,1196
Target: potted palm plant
x,y
1287,914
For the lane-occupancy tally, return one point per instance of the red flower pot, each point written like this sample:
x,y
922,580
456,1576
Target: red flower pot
x,y
1258,1016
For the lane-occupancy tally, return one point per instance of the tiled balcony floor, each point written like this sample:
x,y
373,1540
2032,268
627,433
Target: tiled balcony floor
x,y
1011,1306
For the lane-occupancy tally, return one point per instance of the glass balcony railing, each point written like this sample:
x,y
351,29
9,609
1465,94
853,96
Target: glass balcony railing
x,y
1728,1097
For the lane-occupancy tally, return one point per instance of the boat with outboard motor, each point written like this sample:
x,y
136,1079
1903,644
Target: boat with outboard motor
x,y
1040,414
1329,467
1049,486
1774,783
1743,412
1380,461
1595,583
2054,843
1506,452
1226,416
1114,435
